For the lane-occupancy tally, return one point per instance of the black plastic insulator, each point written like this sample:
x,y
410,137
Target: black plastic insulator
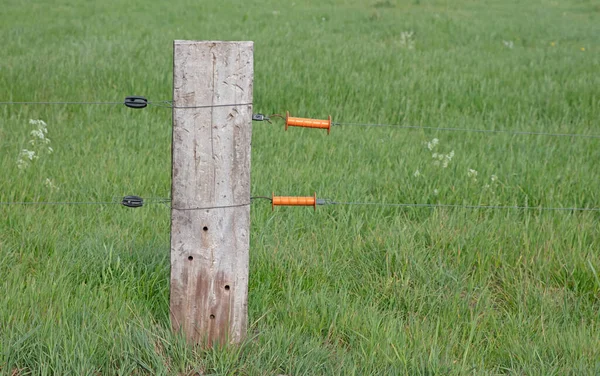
x,y
133,201
136,102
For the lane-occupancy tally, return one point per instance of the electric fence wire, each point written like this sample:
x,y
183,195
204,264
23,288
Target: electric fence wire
x,y
320,202
129,201
165,104
60,103
154,103
459,206
59,203
475,130
119,201
140,102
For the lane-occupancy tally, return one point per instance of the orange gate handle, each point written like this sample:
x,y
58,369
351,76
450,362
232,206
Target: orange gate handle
x,y
293,201
307,123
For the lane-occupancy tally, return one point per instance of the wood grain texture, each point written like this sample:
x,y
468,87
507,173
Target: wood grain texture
x,y
211,167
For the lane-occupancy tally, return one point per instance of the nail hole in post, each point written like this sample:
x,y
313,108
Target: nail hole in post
x,y
212,317
205,228
190,258
227,287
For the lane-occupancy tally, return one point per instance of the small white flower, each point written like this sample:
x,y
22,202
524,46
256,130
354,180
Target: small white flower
x,y
22,164
407,40
417,174
432,144
25,157
447,158
29,154
487,186
50,184
38,138
436,192
37,133
37,122
472,174
508,43
494,178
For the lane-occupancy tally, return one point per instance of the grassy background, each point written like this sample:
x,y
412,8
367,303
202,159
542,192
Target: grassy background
x,y
345,290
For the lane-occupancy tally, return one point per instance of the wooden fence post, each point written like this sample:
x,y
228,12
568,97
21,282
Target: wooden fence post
x,y
210,208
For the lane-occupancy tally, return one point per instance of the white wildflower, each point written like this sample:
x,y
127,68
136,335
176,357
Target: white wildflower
x,y
25,158
407,40
472,174
447,158
417,174
494,178
38,122
50,185
436,192
38,133
440,159
28,154
22,164
432,144
508,43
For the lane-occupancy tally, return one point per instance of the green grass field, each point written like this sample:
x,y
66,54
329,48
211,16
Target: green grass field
x,y
346,289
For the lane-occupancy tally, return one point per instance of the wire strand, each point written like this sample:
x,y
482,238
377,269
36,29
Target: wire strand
x,y
164,200
60,203
476,130
459,206
23,103
165,104
261,198
118,201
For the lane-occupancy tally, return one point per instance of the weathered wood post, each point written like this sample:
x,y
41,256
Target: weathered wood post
x,y
210,213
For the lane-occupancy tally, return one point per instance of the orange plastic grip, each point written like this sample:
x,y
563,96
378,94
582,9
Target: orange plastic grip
x,y
293,201
307,123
